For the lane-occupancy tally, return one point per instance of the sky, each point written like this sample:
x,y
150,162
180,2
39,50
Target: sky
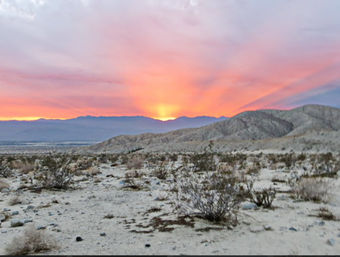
x,y
166,58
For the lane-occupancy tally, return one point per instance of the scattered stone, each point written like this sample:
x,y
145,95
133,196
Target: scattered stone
x,y
28,220
249,206
147,245
79,238
246,222
292,229
331,242
322,223
267,227
6,209
2,217
103,234
256,229
30,207
17,223
15,213
338,235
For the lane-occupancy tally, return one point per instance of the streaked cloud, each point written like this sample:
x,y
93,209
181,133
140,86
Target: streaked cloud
x,y
165,58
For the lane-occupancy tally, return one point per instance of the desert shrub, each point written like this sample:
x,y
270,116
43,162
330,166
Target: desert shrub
x,y
263,197
173,157
160,172
312,189
326,214
5,171
32,241
135,163
55,172
216,197
203,162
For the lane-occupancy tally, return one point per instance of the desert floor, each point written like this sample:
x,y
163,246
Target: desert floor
x,y
112,219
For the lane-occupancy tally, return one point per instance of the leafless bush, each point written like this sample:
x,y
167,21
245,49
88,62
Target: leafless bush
x,y
216,197
326,214
5,171
32,241
312,189
55,172
263,197
160,172
135,163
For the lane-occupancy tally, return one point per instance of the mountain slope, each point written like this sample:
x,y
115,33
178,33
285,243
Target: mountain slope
x,y
89,128
261,126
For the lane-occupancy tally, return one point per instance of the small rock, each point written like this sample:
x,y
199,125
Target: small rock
x,y
322,223
41,227
292,229
249,206
15,213
6,209
338,235
147,245
256,229
103,234
2,217
17,223
331,242
30,207
78,239
28,220
267,227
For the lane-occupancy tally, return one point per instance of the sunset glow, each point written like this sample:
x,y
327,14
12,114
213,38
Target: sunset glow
x,y
166,58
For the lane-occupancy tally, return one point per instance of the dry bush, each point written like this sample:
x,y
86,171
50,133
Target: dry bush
x,y
312,189
31,242
203,162
217,197
264,197
135,163
55,172
326,214
5,171
161,172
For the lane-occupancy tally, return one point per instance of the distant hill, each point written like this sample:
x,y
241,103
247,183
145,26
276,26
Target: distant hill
x,y
306,127
90,128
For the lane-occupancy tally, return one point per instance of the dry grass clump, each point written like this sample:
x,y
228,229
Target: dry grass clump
x,y
216,197
135,163
31,242
161,172
326,214
312,189
264,197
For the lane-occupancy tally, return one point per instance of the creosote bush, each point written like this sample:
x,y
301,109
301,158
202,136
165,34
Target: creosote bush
x,y
312,189
31,242
55,172
216,197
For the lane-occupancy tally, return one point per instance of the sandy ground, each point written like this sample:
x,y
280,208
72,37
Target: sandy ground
x,y
287,229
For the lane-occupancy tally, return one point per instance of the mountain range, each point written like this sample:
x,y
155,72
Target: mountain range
x,y
310,127
96,129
